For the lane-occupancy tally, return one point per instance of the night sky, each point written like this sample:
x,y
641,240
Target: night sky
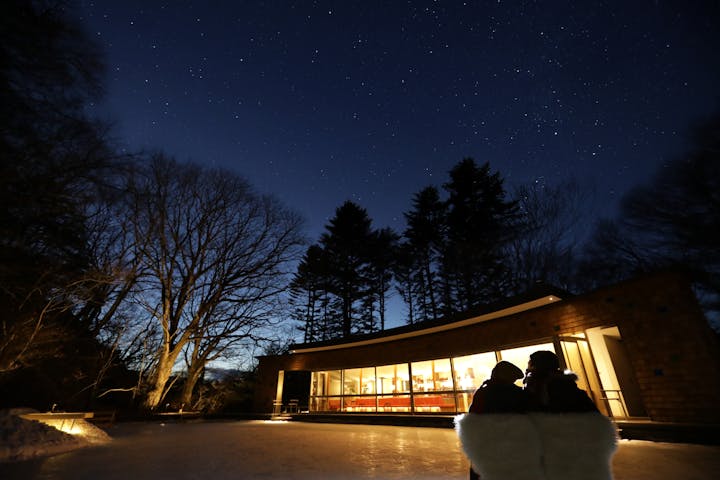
x,y
320,102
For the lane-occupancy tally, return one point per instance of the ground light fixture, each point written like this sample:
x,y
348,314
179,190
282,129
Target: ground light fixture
x,y
66,422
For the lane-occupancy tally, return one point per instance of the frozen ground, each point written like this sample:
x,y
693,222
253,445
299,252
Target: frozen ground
x,y
278,450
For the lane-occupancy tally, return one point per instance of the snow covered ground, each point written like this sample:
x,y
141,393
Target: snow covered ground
x,y
22,439
294,450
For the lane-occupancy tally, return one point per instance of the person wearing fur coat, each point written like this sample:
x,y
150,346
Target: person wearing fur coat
x,y
499,394
562,436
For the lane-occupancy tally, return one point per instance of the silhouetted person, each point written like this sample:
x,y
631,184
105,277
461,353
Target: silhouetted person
x,y
499,394
551,390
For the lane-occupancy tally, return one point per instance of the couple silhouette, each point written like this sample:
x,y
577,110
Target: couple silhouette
x,y
548,430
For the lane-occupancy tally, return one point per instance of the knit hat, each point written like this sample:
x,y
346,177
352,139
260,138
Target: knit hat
x,y
544,361
506,372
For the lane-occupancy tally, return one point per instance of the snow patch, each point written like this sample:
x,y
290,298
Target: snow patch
x,y
22,439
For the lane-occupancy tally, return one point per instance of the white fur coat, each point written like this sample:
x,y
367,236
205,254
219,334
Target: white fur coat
x,y
538,446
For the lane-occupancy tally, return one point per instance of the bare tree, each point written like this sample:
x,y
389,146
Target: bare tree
x,y
107,310
672,221
552,222
54,163
216,254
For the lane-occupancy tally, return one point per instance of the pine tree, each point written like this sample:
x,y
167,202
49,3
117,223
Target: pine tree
x,y
403,271
346,244
479,224
426,240
382,258
306,292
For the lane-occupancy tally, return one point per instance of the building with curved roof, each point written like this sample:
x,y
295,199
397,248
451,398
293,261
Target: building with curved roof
x,y
642,349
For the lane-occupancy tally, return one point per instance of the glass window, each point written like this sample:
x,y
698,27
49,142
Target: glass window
x,y
437,385
393,379
333,382
334,404
393,403
318,383
432,375
438,402
359,381
325,404
472,370
367,381
325,383
464,400
359,404
351,382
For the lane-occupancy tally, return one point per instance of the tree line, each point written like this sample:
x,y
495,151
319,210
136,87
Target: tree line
x,y
464,245
472,242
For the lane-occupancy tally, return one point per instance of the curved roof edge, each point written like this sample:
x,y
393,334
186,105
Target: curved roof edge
x,y
539,296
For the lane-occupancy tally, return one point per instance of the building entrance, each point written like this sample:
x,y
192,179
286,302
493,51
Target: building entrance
x,y
293,392
613,379
578,359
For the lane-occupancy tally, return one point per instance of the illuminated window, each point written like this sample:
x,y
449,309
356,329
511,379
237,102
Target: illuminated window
x,y
393,388
351,382
317,383
434,403
470,372
325,404
359,390
393,379
432,375
359,404
334,382
325,383
428,386
359,381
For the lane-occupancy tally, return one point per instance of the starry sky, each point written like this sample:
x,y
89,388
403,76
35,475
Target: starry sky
x,y
320,102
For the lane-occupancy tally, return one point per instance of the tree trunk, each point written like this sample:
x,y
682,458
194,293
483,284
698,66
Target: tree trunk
x,y
164,370
431,290
193,376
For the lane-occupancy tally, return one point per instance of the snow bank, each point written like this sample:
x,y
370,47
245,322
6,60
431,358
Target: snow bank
x,y
22,439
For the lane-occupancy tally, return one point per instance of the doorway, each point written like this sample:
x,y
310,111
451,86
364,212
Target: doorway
x,y
578,359
295,394
619,389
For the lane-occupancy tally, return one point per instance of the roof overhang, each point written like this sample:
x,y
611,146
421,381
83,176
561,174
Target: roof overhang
x,y
504,312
